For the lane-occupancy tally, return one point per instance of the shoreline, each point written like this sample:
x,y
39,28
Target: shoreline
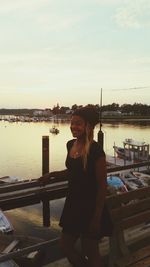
x,y
66,118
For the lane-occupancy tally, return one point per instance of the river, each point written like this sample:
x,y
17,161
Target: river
x,y
21,156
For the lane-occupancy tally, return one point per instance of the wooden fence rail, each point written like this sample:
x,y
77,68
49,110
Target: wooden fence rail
x,y
27,193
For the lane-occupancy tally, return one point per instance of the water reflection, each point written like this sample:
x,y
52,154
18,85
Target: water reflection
x,y
21,145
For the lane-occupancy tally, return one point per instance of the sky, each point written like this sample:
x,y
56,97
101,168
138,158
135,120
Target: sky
x,y
65,51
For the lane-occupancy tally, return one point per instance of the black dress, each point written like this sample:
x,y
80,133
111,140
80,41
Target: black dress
x,y
81,197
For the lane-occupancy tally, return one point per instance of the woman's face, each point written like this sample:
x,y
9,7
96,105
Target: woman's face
x,y
78,126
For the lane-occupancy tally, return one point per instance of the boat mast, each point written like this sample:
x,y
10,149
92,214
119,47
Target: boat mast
x,y
100,133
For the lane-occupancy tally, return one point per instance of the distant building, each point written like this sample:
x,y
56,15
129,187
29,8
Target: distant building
x,y
128,113
41,112
111,113
69,111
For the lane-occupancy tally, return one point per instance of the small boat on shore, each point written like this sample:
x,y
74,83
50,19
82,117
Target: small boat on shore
x,y
10,263
118,183
145,178
54,130
133,150
8,179
115,184
5,225
132,182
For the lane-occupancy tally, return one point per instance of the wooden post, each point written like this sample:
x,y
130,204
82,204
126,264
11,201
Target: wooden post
x,y
45,169
46,212
101,139
45,154
100,133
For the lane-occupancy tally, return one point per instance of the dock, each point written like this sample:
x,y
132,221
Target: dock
x,y
30,192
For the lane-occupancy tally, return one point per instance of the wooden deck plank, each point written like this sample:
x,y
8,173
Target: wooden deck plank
x,y
142,263
59,263
136,257
140,254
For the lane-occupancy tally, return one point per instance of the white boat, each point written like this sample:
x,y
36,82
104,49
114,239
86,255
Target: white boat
x,y
8,179
5,226
131,181
145,178
133,150
54,130
9,263
120,152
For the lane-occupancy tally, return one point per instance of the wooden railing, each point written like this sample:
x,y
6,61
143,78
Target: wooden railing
x,y
31,192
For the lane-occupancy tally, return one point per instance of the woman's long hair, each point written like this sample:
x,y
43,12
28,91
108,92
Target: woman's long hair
x,y
89,134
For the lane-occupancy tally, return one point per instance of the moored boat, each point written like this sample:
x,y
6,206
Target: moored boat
x,y
132,182
10,263
5,225
115,184
8,179
122,182
54,130
133,150
145,178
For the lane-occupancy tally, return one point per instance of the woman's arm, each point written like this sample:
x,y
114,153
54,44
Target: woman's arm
x,y
46,178
101,178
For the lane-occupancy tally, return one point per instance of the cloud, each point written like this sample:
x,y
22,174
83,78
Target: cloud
x,y
49,15
142,60
57,22
136,14
8,6
107,2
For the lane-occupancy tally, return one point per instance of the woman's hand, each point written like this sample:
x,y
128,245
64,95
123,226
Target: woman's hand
x,y
55,175
45,179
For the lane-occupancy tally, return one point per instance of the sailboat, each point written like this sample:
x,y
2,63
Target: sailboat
x,y
54,130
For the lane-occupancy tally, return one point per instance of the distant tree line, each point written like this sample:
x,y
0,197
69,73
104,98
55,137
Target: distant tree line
x,y
135,109
17,112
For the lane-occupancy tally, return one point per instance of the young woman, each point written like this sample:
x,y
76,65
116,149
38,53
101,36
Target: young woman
x,y
84,215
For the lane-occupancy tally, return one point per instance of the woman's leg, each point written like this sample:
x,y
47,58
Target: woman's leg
x,y
67,243
90,248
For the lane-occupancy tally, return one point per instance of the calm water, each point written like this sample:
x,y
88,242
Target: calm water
x,y
21,156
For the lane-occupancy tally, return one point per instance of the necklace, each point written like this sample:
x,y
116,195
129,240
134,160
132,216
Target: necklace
x,y
76,151
76,154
